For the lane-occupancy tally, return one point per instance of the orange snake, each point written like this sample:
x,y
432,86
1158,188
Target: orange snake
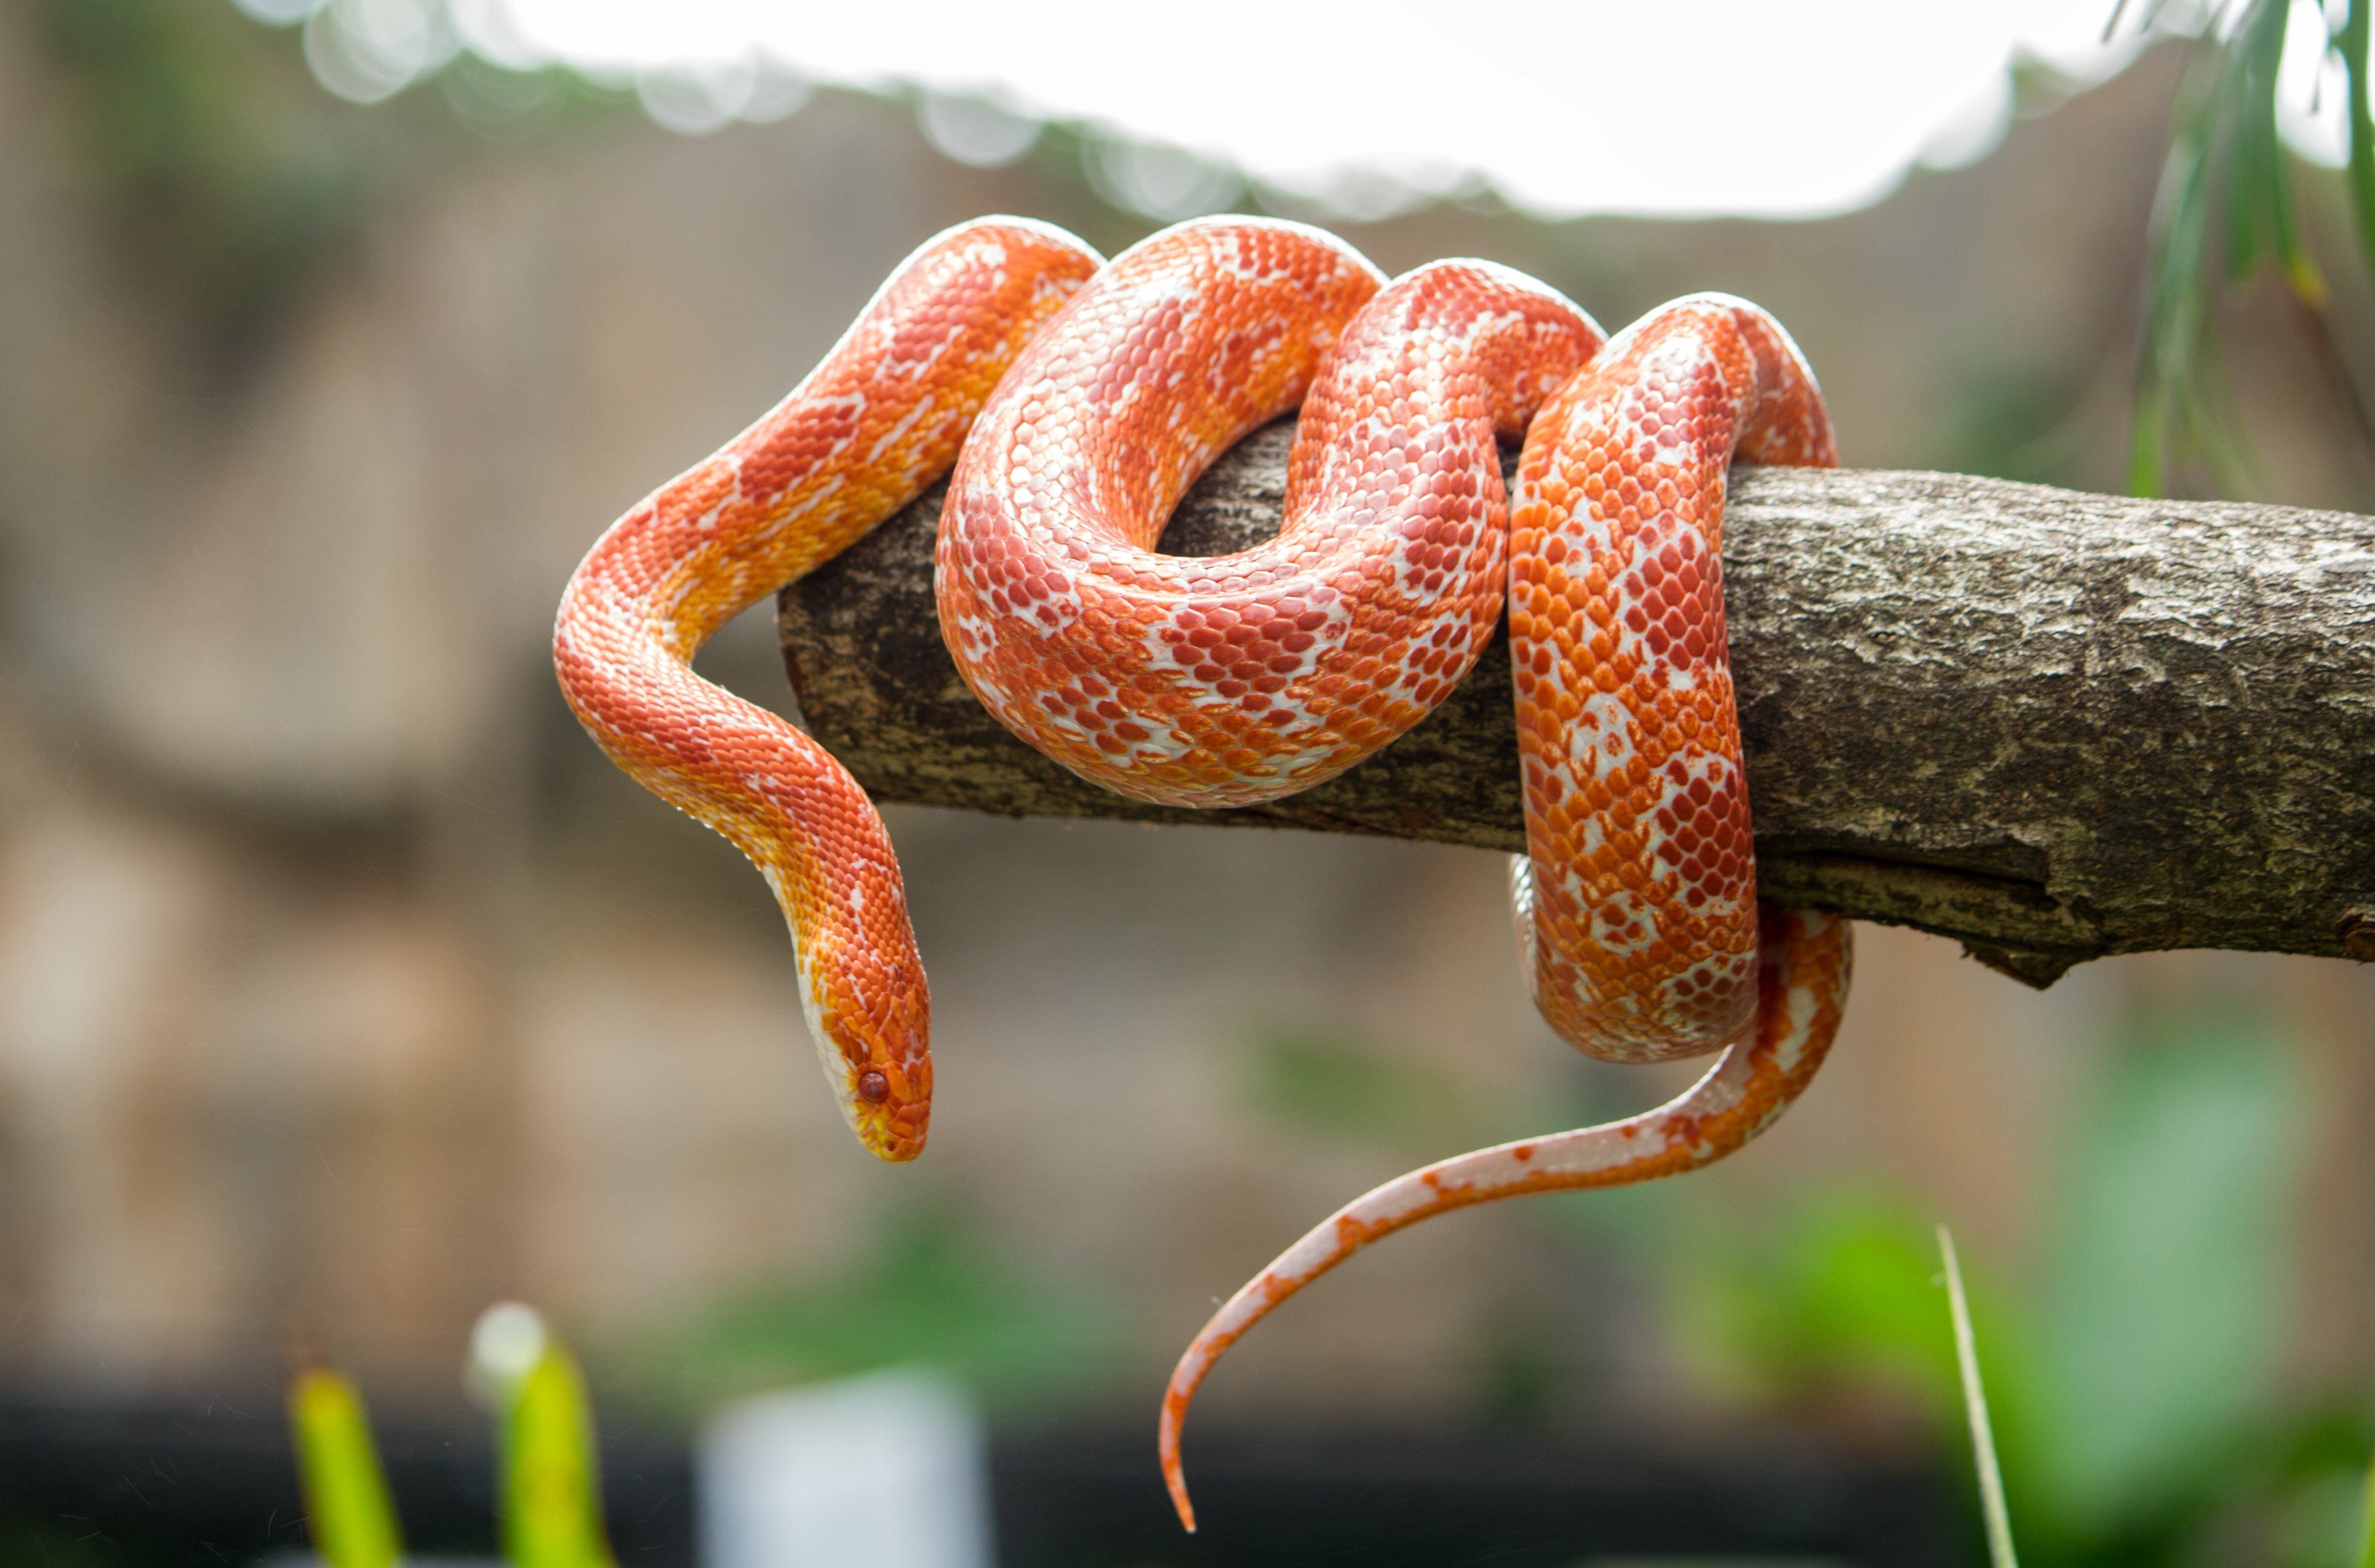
x,y
1086,399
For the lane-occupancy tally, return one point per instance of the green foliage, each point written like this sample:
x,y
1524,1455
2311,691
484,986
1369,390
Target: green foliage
x,y
551,1481
2133,1382
2158,1325
2221,154
1841,1288
228,173
2366,1558
346,1490
2013,424
2354,41
2225,214
231,179
548,1480
928,1291
1330,1084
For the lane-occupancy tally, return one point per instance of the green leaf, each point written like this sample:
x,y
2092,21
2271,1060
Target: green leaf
x,y
1842,1289
2367,1522
551,1486
2161,1323
548,1480
2354,41
1322,1082
2225,161
2176,293
1975,1408
2260,212
346,1490
929,1291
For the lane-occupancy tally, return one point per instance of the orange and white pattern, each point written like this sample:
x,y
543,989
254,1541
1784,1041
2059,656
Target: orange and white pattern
x,y
1102,394
1803,963
861,435
1245,676
1636,902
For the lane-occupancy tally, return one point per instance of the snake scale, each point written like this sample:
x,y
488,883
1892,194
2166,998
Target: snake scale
x,y
1077,401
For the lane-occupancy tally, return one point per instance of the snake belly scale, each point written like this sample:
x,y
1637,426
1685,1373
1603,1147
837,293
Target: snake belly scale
x,y
1077,402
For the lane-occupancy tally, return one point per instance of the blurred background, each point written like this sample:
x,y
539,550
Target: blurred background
x,y
345,987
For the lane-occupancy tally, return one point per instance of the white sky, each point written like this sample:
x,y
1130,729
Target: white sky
x,y
1779,108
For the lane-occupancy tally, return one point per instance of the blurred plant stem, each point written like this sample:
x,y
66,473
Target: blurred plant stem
x,y
549,1476
2366,1523
1975,1406
346,1490
553,1492
548,1480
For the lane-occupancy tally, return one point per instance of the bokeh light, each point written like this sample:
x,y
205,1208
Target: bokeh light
x,y
1725,107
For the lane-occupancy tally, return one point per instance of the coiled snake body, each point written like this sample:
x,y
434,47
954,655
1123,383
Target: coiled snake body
x,y
1093,397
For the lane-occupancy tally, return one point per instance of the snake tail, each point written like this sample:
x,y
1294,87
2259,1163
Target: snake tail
x,y
1802,972
1637,918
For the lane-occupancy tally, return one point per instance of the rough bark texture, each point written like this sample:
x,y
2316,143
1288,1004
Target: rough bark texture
x,y
2053,725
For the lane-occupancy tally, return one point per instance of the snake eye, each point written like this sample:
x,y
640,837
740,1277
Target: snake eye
x,y
873,1087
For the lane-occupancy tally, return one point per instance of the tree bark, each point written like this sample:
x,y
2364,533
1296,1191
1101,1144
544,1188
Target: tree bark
x,y
2053,725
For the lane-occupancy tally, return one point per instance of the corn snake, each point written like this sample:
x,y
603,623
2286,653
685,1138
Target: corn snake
x,y
1077,401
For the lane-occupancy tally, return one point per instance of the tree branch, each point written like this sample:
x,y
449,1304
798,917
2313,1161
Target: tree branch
x,y
2053,725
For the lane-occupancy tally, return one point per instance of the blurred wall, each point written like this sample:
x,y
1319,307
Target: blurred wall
x,y
344,987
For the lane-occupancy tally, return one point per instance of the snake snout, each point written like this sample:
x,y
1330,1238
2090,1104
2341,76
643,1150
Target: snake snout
x,y
872,1027
888,1108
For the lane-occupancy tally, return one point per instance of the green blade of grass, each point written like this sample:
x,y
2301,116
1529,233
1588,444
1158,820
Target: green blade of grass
x,y
552,1487
346,1490
549,1479
2354,41
2367,1524
1975,1405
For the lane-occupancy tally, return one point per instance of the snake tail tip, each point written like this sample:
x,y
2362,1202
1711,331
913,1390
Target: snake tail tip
x,y
1175,1474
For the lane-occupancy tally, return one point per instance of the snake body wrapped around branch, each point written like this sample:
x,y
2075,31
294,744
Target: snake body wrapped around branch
x,y
1078,403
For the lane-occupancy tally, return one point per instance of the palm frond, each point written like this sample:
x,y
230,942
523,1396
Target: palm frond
x,y
2225,212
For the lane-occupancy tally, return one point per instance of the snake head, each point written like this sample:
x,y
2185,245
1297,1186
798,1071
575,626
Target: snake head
x,y
884,1091
868,1006
880,1066
889,1104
